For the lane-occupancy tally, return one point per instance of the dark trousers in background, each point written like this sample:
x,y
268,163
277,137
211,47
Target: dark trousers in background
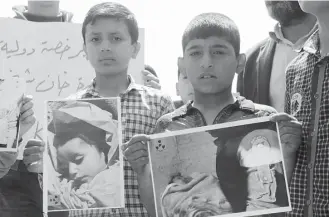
x,y
20,194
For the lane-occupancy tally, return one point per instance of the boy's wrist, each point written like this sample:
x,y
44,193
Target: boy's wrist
x,y
143,171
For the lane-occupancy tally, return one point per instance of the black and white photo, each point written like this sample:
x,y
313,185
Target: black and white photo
x,y
195,175
83,162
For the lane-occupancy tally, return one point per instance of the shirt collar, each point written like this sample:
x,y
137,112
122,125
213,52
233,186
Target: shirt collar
x,y
277,36
312,45
132,86
241,103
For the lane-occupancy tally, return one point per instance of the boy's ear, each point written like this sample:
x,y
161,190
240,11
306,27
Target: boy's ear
x,y
85,50
177,89
180,64
136,48
241,63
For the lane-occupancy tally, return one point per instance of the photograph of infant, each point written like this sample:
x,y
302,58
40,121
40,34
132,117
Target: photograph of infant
x,y
83,163
231,169
11,94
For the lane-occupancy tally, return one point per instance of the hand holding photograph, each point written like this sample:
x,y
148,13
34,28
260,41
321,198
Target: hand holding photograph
x,y
230,169
83,161
11,93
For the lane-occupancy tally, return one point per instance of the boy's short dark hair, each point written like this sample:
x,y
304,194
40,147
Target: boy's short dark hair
x,y
112,10
212,24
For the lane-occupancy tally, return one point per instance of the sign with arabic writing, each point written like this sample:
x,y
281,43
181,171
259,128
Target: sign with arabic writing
x,y
51,59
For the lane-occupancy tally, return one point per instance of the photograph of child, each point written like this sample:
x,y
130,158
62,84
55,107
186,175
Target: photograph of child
x,y
83,161
11,94
194,171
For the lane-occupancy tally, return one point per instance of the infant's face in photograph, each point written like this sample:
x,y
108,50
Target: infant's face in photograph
x,y
81,160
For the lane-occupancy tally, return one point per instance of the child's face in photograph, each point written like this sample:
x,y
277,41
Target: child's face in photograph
x,y
210,64
108,46
83,161
184,88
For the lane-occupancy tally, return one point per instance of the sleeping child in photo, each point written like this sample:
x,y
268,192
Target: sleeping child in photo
x,y
256,169
87,158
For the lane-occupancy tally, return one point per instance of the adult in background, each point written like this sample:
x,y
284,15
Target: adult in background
x,y
263,80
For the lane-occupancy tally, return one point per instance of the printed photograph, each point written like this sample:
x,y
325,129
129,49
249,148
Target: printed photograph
x,y
231,169
83,164
11,95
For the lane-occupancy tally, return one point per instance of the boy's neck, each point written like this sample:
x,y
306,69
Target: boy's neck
x,y
111,85
324,34
299,28
211,104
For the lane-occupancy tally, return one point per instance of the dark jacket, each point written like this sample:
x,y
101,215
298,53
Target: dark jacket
x,y
254,81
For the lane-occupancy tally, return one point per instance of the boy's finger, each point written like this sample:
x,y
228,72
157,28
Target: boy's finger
x,y
290,124
32,158
145,72
26,106
34,150
151,77
138,138
34,142
26,98
153,84
26,115
135,148
282,117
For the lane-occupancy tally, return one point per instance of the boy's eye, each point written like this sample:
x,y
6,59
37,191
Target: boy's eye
x,y
195,53
94,39
218,52
117,39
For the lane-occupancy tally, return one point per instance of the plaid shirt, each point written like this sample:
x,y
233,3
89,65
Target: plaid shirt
x,y
307,98
141,107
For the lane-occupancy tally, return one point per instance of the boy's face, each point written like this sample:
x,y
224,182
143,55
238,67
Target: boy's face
x,y
211,64
108,46
83,161
184,88
314,7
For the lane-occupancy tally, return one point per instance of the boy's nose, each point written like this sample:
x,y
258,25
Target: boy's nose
x,y
106,46
206,62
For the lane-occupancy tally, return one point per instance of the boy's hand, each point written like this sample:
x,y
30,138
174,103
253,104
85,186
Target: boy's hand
x,y
33,153
27,118
136,152
7,159
151,80
290,132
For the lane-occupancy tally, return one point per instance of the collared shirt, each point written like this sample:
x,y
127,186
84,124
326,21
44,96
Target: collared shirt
x,y
188,116
307,98
141,107
285,52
